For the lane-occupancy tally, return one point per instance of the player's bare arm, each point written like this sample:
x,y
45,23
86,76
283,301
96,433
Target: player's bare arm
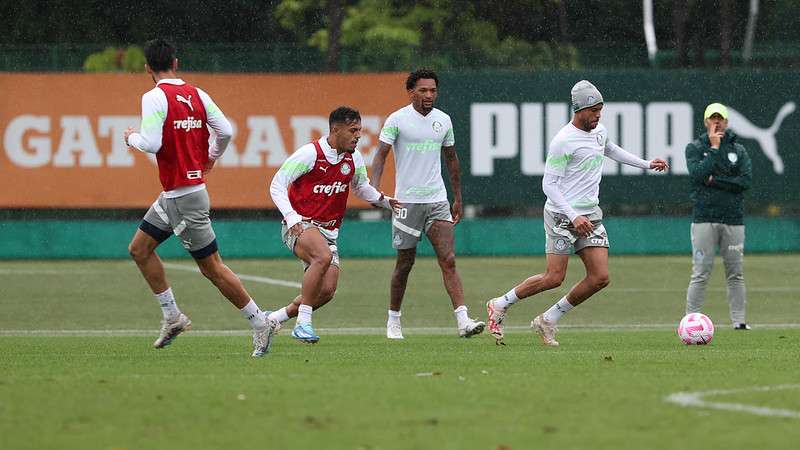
x,y
378,163
454,172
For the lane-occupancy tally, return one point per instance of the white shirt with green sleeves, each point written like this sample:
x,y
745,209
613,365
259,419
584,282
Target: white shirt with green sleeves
x,y
576,158
417,141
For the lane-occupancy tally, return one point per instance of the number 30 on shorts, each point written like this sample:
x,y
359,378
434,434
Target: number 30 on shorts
x,y
401,213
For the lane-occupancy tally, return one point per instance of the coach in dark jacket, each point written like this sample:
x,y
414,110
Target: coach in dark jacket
x,y
720,172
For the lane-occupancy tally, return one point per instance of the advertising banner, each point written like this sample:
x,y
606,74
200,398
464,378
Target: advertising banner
x,y
62,133
62,144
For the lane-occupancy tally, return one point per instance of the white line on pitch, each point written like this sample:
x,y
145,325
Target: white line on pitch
x,y
362,330
255,278
696,399
294,284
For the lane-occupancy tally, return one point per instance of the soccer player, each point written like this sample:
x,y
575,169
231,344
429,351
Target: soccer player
x,y
175,116
420,134
311,190
572,217
720,172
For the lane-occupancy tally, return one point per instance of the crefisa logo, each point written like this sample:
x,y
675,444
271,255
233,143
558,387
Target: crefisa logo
x,y
330,189
188,124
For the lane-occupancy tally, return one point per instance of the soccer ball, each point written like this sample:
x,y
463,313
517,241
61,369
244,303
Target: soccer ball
x,y
696,329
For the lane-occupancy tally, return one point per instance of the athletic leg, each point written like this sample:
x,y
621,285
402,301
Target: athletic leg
x,y
440,234
402,268
312,247
732,250
553,276
142,250
595,260
704,243
229,285
329,284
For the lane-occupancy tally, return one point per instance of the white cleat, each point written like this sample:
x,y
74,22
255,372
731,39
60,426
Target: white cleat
x,y
262,338
394,330
472,328
170,329
546,330
495,319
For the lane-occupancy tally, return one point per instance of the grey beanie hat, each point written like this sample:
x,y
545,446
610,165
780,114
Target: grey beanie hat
x,y
585,95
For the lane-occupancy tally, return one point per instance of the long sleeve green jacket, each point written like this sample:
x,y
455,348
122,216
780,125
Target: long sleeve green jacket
x,y
730,174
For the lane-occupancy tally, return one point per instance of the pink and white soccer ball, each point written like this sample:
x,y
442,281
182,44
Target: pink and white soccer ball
x,y
696,329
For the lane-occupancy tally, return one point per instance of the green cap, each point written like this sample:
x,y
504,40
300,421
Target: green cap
x,y
716,108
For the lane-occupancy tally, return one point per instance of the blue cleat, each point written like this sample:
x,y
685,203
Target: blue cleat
x,y
304,332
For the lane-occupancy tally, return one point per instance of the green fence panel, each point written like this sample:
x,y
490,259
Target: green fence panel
x,y
57,239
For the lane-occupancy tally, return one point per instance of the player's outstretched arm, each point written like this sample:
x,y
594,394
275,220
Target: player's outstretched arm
x,y
454,172
364,189
620,155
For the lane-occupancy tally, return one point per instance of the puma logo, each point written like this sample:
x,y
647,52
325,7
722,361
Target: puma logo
x,y
765,137
323,168
183,99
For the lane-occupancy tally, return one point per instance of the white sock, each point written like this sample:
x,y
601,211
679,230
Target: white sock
x,y
253,314
461,316
168,306
280,315
394,317
304,314
507,300
557,310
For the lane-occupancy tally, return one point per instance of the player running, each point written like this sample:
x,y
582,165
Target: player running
x,y
572,217
419,134
175,116
311,190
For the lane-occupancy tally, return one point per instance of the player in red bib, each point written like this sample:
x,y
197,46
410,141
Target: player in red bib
x,y
175,120
311,190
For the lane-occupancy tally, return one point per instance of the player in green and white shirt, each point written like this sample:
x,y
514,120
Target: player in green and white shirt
x,y
572,217
420,134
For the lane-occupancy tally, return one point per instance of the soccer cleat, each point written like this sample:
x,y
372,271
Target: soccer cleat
x,y
741,326
546,330
304,332
495,319
472,328
394,330
262,338
170,329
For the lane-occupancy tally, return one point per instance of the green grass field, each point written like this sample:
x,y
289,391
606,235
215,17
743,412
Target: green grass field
x,y
77,370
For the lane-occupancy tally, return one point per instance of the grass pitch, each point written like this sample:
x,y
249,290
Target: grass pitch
x,y
77,370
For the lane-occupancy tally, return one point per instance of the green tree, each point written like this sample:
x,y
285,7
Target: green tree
x,y
392,35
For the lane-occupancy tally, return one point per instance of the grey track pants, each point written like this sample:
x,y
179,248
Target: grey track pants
x,y
706,238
